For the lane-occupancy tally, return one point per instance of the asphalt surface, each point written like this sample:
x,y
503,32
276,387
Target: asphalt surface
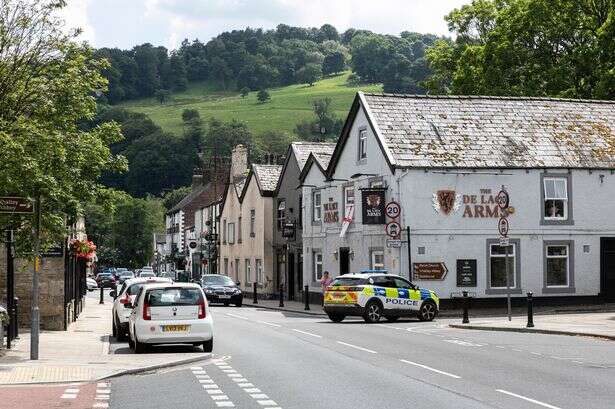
x,y
271,359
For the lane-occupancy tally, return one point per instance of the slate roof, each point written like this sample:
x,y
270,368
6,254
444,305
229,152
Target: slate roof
x,y
322,151
267,176
493,132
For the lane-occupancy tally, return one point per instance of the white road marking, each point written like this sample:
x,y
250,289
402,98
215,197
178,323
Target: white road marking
x,y
103,391
525,398
212,386
235,375
68,396
429,368
463,343
536,353
517,350
206,381
239,380
194,368
102,398
102,385
577,362
246,385
499,346
226,404
357,347
252,390
219,397
267,403
214,391
229,371
199,372
270,323
259,396
389,326
100,405
71,390
307,333
237,316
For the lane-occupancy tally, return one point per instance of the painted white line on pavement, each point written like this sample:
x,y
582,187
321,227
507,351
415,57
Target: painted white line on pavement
x,y
199,372
389,326
236,316
196,368
270,323
239,380
267,403
103,391
577,362
429,368
246,385
517,350
71,390
307,333
214,392
252,390
206,381
219,397
210,386
100,405
357,347
536,353
102,385
525,398
69,396
102,398
499,346
229,371
226,404
259,396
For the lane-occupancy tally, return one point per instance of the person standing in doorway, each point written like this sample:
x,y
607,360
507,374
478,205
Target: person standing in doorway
x,y
325,282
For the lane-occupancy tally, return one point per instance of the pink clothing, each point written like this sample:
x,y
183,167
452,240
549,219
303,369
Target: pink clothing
x,y
325,282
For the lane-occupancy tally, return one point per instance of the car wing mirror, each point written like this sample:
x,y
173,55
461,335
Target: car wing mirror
x,y
238,283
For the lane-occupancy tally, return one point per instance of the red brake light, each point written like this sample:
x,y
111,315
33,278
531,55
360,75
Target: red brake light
x,y
147,313
202,308
125,299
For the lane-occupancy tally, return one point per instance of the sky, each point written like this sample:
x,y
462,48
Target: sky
x,y
126,23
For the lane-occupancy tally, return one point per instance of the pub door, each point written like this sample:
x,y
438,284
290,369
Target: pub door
x,y
344,260
291,276
607,268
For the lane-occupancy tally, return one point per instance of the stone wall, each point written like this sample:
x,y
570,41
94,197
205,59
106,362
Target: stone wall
x,y
51,300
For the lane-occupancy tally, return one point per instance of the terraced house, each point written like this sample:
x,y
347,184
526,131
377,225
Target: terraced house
x,y
412,188
246,223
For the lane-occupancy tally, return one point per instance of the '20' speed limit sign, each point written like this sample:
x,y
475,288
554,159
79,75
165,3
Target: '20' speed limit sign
x,y
392,210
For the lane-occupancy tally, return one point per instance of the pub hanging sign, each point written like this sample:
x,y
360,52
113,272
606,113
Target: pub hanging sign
x,y
372,201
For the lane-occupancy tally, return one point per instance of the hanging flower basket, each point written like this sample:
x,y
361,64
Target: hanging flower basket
x,y
83,249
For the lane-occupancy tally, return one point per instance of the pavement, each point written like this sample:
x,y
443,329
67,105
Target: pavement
x,y
83,353
600,325
275,359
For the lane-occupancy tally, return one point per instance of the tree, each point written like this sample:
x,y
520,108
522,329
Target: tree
x,y
273,142
310,74
370,55
178,76
559,48
163,95
173,197
244,92
222,137
263,96
325,126
334,63
47,87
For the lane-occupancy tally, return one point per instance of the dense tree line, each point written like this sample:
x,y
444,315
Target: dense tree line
x,y
256,59
558,48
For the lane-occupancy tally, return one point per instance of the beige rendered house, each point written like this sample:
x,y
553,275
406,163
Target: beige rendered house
x,y
246,220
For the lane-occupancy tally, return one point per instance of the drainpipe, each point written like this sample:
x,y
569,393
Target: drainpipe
x,y
403,219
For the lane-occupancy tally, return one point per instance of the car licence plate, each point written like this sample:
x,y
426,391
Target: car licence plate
x,y
175,328
224,296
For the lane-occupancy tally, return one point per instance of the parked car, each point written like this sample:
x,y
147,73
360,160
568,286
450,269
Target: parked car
x,y
170,314
124,275
376,295
221,289
123,299
106,280
91,283
145,273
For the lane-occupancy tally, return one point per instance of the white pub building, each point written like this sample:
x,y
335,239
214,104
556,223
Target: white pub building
x,y
432,166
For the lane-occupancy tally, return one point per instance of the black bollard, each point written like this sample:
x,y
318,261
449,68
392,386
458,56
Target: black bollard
x,y
16,322
281,295
102,295
306,297
530,310
255,299
466,305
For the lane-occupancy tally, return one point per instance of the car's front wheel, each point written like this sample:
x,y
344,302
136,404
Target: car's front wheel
x,y
373,312
336,317
428,311
208,346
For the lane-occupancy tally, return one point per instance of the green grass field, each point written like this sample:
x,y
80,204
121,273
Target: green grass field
x,y
288,105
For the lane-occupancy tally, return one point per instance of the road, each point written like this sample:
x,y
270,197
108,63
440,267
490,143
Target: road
x,y
270,359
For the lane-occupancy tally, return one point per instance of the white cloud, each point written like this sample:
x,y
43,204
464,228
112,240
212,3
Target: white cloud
x,y
75,14
125,23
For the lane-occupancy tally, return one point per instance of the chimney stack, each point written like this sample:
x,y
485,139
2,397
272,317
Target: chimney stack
x,y
239,163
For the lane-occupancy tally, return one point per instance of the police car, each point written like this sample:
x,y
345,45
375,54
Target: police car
x,y
377,295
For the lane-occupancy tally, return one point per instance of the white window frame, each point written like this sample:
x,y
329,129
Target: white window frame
x,y
281,213
252,222
372,259
231,233
563,198
317,265
259,270
567,257
346,196
362,144
512,254
248,270
317,209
